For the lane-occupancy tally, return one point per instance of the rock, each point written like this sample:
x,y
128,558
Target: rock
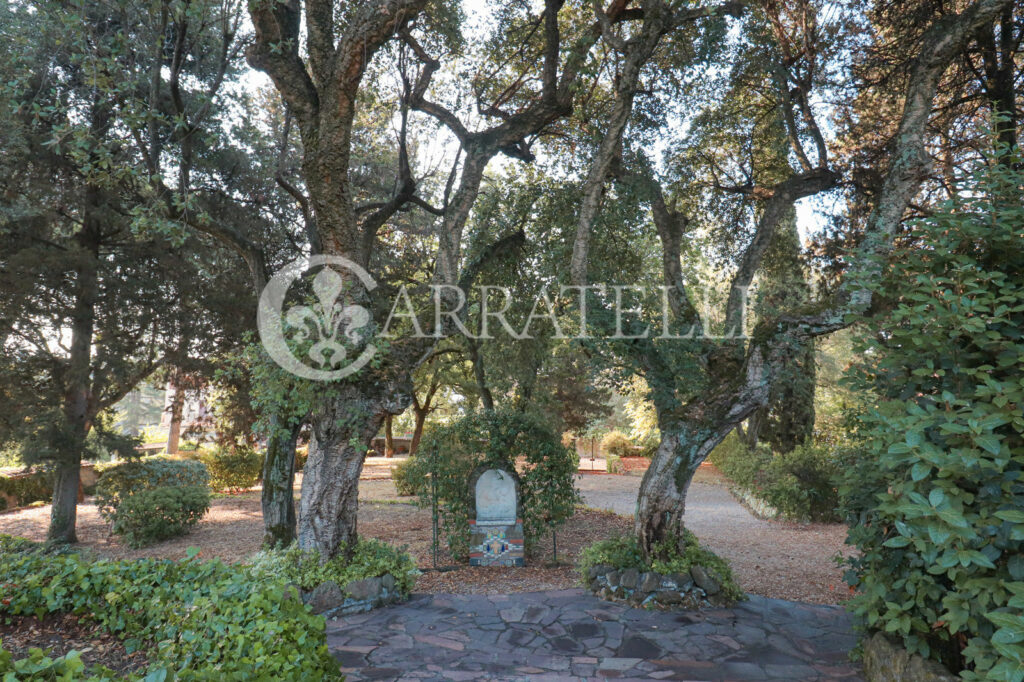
x,y
367,588
649,582
388,581
325,596
704,580
884,661
599,570
613,578
629,578
681,581
669,597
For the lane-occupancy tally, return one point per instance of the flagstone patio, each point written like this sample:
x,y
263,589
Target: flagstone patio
x,y
571,635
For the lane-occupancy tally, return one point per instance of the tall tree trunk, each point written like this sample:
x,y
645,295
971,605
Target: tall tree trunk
x,y
78,401
389,436
177,408
417,430
277,497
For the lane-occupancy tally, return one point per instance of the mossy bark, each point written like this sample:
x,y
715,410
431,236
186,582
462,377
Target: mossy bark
x,y
277,497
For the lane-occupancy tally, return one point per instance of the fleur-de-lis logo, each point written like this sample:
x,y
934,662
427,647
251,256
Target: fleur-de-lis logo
x,y
334,328
327,319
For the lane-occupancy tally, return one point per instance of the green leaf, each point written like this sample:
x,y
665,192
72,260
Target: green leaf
x,y
920,471
988,442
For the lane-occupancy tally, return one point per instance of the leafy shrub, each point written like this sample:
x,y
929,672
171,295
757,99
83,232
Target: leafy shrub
x,y
616,443
409,479
801,484
232,467
125,479
23,490
205,621
370,559
649,447
624,552
499,439
941,561
621,552
804,482
150,516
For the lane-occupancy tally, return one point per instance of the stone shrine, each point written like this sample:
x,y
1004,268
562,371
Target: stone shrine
x,y
496,534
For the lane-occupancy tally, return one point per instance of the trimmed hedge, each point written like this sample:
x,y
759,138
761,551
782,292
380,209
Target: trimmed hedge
x,y
232,468
129,478
205,621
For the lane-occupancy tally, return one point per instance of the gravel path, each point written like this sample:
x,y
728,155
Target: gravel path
x,y
572,635
770,558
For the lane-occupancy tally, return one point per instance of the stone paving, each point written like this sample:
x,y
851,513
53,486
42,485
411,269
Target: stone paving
x,y
571,635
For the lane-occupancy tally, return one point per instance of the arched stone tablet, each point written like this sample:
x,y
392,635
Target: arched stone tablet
x,y
495,497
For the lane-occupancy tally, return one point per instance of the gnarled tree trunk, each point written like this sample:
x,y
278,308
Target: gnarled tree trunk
x,y
343,425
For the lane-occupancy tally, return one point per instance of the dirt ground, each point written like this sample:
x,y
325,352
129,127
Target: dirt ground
x,y
770,558
61,633
233,529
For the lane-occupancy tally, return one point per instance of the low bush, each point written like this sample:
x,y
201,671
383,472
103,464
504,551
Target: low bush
x,y
649,447
232,467
150,516
624,552
125,479
613,464
500,439
616,443
201,621
408,478
370,559
24,489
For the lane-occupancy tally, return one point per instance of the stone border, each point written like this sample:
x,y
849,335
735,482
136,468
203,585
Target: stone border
x,y
757,506
330,600
691,590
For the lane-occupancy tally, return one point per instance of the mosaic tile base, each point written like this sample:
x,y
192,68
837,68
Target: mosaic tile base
x,y
496,545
